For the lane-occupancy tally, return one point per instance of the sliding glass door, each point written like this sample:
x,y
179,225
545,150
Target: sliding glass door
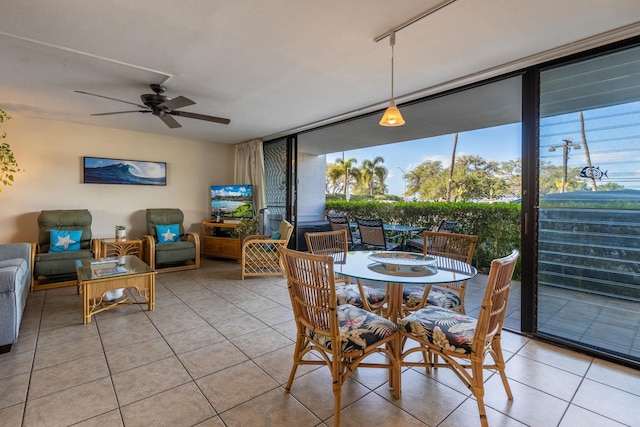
x,y
588,266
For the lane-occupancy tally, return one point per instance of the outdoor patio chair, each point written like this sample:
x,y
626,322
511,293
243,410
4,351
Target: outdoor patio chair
x,y
334,244
447,295
343,336
372,234
464,342
340,221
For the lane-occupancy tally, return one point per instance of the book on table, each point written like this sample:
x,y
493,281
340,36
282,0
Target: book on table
x,y
108,260
109,271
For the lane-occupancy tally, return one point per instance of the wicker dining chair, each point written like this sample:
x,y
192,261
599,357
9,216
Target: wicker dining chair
x,y
447,295
417,242
464,342
335,244
343,336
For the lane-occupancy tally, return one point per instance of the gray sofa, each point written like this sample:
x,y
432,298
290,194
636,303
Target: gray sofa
x,y
15,283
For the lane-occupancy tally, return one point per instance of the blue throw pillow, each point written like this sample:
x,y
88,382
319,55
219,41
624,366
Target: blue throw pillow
x,y
65,240
168,233
274,236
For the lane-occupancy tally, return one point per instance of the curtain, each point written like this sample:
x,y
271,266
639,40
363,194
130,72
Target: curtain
x,y
249,169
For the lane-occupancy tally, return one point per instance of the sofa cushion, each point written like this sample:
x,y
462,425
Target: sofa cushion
x,y
65,240
13,272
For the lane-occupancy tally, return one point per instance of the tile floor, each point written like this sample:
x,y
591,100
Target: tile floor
x,y
216,351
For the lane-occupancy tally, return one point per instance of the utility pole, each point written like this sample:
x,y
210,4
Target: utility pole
x,y
404,184
566,148
453,162
586,152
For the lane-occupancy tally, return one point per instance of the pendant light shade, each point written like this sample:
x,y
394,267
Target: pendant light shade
x,y
392,116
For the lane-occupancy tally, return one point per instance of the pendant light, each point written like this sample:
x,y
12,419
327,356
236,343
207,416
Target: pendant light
x,y
392,116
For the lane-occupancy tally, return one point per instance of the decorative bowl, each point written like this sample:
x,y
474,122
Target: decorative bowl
x,y
406,259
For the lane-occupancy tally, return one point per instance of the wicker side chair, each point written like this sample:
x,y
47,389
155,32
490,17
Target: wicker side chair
x,y
342,336
464,342
260,256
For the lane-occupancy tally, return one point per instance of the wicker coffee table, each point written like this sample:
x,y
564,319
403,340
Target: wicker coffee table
x,y
98,278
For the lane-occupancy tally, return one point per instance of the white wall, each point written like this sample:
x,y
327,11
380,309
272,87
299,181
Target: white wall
x,y
51,155
312,171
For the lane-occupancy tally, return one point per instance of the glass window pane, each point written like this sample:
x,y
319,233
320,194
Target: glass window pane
x,y
589,210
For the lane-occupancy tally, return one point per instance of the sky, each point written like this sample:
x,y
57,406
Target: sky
x,y
612,142
500,143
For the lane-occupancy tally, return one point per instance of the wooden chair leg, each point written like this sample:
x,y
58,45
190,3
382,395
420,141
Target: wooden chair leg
x,y
477,388
500,365
337,389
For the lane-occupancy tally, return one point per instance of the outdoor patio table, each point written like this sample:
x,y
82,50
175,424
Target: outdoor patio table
x,y
359,265
404,230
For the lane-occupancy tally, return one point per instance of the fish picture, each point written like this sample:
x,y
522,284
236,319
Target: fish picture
x,y
593,173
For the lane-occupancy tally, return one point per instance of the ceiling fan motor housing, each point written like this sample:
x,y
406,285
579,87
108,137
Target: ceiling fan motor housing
x,y
153,101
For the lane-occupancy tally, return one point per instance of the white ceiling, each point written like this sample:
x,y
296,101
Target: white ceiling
x,y
272,66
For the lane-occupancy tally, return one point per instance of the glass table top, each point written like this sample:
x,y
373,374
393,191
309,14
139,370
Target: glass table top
x,y
103,268
358,264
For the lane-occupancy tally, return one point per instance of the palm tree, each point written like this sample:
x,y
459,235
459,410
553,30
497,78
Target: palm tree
x,y
348,172
373,172
334,181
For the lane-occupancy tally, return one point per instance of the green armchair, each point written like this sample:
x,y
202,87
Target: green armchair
x,y
167,247
64,236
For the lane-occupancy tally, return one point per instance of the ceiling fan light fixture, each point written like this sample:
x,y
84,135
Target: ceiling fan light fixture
x,y
392,116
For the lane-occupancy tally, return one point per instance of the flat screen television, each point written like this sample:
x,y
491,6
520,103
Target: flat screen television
x,y
232,201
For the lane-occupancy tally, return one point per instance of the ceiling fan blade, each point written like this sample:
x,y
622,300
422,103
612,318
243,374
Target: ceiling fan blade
x,y
120,112
177,102
106,97
170,121
200,117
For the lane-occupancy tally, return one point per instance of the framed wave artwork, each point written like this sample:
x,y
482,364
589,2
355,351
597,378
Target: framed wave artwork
x,y
98,170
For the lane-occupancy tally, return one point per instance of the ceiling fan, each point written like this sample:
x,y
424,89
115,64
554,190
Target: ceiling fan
x,y
161,106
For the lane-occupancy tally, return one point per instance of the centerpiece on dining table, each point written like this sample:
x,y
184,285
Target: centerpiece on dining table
x,y
403,263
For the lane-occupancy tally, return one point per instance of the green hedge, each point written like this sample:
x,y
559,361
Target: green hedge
x,y
497,225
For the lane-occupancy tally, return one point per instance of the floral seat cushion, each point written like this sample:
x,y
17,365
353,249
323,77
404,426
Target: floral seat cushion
x,y
439,297
443,328
349,294
359,329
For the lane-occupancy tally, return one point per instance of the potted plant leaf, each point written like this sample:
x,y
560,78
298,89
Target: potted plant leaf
x,y
121,232
247,226
8,164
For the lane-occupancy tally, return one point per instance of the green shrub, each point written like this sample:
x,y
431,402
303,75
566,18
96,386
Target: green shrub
x,y
497,225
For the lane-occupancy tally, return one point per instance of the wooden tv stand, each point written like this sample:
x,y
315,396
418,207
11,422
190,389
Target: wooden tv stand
x,y
216,241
